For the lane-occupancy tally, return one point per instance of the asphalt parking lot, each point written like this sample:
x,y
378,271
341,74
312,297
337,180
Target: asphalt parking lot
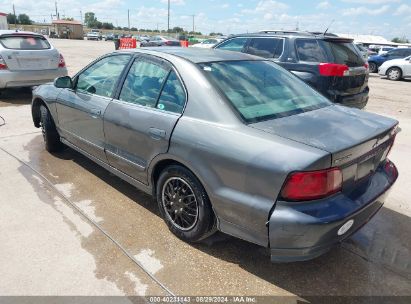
x,y
69,227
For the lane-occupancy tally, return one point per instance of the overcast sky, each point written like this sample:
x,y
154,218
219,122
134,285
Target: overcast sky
x,y
388,18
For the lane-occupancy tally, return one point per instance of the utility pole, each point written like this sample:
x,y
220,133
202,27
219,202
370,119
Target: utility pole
x,y
81,16
128,18
15,17
168,17
193,22
57,14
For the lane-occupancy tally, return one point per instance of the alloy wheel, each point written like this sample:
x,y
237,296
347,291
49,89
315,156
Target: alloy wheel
x,y
179,203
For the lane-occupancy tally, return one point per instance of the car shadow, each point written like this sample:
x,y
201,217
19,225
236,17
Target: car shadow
x,y
18,96
358,266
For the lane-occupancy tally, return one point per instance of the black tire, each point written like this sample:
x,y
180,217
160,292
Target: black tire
x,y
198,228
51,137
394,74
373,67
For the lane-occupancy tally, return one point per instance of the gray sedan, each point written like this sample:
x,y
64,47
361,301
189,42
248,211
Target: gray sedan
x,y
225,141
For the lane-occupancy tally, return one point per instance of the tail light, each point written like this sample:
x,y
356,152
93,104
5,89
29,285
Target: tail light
x,y
366,65
309,185
168,42
3,65
333,69
62,63
390,169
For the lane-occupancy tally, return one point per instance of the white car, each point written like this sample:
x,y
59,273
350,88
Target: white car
x,y
396,69
208,43
384,49
93,36
28,59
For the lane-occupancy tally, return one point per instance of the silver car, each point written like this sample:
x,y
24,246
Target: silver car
x,y
28,59
396,69
225,141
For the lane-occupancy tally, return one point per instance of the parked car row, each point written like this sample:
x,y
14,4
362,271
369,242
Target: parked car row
x,y
391,64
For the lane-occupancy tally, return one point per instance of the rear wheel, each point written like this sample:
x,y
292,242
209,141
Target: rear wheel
x,y
48,128
184,204
394,74
373,67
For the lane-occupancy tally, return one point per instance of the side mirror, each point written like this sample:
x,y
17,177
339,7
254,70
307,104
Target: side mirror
x,y
385,55
64,82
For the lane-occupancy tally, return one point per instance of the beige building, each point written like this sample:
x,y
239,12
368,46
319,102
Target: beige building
x,y
3,21
68,29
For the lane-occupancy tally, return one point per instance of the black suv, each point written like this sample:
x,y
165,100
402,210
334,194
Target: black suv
x,y
329,63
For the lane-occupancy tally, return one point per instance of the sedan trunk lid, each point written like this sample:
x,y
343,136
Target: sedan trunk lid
x,y
353,137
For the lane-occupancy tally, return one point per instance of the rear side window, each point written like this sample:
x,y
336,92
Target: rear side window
x,y
143,83
406,52
235,44
309,50
24,42
266,47
344,53
172,97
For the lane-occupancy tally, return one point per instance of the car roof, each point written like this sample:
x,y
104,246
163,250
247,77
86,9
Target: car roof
x,y
197,55
8,32
299,34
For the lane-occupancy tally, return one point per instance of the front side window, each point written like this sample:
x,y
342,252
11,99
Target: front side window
x,y
24,42
101,78
235,44
143,83
260,90
266,47
310,51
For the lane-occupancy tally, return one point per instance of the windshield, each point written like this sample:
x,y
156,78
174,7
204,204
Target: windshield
x,y
261,90
24,42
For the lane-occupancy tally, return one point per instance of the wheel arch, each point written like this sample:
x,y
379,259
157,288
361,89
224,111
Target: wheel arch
x,y
35,110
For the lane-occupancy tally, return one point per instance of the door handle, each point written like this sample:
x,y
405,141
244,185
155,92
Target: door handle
x,y
95,113
157,133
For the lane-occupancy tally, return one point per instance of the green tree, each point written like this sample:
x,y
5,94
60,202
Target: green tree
x,y
400,40
107,26
11,19
216,34
90,19
68,19
24,19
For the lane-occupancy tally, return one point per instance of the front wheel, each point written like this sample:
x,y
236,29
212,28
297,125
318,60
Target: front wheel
x,y
394,74
184,204
373,67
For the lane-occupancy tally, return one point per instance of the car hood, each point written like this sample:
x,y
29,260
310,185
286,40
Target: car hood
x,y
332,128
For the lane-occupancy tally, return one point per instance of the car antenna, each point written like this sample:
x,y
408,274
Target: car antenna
x,y
332,21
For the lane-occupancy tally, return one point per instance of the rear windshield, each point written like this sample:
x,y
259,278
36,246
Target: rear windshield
x,y
24,42
313,50
261,90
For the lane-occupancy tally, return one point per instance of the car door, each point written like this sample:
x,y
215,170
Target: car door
x,y
138,124
406,68
80,110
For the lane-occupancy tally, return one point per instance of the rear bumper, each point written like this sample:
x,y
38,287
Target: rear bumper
x,y
355,101
303,231
13,79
